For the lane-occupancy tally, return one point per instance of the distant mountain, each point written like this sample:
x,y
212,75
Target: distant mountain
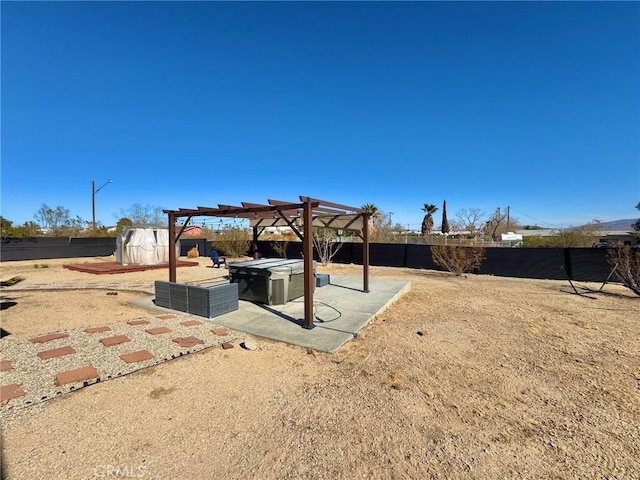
x,y
625,224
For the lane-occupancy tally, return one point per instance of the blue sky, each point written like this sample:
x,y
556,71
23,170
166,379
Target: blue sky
x,y
531,105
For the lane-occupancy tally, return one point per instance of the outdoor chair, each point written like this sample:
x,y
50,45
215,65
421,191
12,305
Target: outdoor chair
x,y
217,259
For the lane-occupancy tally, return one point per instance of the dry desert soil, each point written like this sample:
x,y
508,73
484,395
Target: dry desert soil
x,y
471,377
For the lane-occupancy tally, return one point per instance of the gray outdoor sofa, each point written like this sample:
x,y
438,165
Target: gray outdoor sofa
x,y
203,300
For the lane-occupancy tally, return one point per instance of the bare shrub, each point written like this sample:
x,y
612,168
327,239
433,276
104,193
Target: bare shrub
x,y
324,240
280,248
233,241
457,259
626,262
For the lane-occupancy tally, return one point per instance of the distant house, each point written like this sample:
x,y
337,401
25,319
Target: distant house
x,y
619,237
540,232
192,231
279,232
606,238
511,238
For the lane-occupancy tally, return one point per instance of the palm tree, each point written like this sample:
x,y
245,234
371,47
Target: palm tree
x,y
372,209
374,214
427,221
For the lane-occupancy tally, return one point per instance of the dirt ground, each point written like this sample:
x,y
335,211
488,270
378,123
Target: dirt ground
x,y
466,377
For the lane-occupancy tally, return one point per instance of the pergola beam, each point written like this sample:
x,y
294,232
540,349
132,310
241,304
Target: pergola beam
x,y
337,206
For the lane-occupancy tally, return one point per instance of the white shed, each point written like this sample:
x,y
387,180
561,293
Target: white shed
x,y
144,246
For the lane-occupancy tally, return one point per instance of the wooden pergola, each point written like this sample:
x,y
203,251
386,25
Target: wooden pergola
x,y
305,215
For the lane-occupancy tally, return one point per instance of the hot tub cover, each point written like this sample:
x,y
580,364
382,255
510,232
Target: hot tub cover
x,y
270,266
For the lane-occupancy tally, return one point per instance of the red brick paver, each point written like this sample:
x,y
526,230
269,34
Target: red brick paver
x,y
77,375
9,392
97,329
115,340
49,337
56,352
138,322
220,331
227,345
5,366
188,341
191,323
158,330
139,356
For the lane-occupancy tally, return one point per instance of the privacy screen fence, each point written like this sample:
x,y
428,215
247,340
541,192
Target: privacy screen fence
x,y
583,264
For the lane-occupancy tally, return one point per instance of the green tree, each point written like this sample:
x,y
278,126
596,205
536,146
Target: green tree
x,y
99,231
123,224
6,227
28,229
427,221
445,223
636,226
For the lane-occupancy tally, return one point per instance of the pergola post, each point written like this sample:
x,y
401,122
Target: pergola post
x,y
309,280
172,248
365,252
254,244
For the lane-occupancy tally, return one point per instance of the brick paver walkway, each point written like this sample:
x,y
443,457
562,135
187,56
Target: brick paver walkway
x,y
37,368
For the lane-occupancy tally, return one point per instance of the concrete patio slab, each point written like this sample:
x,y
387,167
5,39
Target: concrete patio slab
x,y
341,310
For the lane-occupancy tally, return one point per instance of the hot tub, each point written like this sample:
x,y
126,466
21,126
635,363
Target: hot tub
x,y
273,281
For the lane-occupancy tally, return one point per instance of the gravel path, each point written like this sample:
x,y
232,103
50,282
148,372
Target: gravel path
x,y
133,286
28,377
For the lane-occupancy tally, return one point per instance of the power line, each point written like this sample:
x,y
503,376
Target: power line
x,y
536,219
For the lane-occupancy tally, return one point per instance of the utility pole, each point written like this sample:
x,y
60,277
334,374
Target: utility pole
x,y
95,190
508,229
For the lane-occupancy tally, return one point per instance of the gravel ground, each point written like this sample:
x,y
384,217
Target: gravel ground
x,y
36,377
508,378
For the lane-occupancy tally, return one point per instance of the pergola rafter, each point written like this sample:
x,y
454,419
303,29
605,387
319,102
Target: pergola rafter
x,y
305,215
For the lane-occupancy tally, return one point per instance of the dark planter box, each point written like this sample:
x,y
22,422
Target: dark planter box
x,y
322,280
